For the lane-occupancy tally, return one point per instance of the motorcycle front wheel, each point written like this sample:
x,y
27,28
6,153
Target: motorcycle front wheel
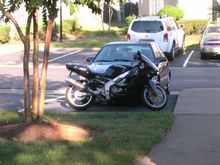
x,y
154,101
79,100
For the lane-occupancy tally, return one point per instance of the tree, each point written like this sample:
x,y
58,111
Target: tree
x,y
49,14
173,11
215,10
111,10
25,38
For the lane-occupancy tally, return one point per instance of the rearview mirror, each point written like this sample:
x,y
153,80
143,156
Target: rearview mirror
x,y
89,59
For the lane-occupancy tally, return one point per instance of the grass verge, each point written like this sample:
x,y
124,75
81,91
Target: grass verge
x,y
120,138
90,39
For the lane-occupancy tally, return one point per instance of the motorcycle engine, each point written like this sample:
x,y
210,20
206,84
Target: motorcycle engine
x,y
117,90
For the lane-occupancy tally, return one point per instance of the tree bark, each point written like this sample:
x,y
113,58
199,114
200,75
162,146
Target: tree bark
x,y
44,68
28,115
35,85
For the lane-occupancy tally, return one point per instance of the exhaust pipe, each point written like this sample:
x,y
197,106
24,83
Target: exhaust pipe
x,y
75,83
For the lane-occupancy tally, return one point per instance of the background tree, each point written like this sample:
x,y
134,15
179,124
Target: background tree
x,y
215,10
111,10
173,11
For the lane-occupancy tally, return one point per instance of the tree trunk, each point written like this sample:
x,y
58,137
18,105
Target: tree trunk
x,y
100,4
110,10
35,85
28,116
44,69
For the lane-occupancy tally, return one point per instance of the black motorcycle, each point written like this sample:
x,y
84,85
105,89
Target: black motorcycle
x,y
118,80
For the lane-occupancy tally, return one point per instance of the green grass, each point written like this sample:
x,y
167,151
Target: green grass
x,y
91,39
120,138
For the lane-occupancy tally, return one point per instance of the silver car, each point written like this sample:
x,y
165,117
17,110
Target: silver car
x,y
210,41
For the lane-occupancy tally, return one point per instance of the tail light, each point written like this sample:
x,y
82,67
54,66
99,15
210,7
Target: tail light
x,y
165,37
128,37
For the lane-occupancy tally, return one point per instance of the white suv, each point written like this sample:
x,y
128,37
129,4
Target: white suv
x,y
165,31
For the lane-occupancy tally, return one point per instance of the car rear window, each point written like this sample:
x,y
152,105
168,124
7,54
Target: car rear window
x,y
213,30
147,26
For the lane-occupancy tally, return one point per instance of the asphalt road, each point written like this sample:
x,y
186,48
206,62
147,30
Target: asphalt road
x,y
188,71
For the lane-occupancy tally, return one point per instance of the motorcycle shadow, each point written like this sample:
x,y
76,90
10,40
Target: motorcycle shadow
x,y
128,105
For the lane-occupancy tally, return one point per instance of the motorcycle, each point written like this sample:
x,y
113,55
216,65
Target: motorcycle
x,y
118,80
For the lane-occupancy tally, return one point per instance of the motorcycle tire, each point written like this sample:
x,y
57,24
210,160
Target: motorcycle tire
x,y
79,100
155,101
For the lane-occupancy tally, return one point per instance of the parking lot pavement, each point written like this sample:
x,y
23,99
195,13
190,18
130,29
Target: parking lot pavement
x,y
10,48
195,135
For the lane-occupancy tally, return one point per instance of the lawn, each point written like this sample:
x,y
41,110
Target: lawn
x,y
90,39
119,139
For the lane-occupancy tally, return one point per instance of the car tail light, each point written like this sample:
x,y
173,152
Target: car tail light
x,y
128,37
165,37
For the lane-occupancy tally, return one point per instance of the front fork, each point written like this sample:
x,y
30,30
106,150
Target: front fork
x,y
153,85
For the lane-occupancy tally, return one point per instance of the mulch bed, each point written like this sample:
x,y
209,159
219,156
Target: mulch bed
x,y
44,131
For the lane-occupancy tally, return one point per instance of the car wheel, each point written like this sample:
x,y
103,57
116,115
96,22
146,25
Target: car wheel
x,y
171,55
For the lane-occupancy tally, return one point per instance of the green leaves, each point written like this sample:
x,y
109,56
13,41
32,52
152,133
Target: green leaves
x,y
173,11
92,4
14,5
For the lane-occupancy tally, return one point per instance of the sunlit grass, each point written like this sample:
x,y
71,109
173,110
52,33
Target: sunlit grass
x,y
120,138
91,39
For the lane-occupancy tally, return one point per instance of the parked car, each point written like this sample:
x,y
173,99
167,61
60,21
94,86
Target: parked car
x,y
210,41
165,31
123,53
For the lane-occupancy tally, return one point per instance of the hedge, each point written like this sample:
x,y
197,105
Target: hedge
x,y
194,27
4,34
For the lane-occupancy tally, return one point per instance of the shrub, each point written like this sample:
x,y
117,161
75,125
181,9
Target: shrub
x,y
71,26
173,11
128,21
193,27
4,34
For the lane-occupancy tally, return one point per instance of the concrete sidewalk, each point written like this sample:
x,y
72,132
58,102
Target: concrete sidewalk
x,y
195,135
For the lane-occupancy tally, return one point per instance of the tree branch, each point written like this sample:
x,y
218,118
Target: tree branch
x,y
10,17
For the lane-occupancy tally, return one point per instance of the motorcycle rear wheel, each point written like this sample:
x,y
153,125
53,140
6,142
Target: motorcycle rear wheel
x,y
155,101
79,100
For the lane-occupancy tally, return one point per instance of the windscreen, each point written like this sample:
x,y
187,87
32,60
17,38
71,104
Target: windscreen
x,y
123,52
147,26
